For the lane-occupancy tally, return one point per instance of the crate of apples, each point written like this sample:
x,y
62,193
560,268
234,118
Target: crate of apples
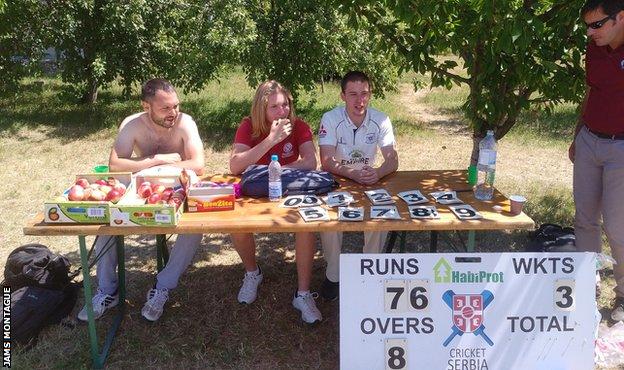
x,y
110,190
155,193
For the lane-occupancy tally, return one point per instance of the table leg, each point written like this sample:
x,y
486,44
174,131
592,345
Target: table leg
x,y
402,243
162,254
433,242
88,293
470,247
391,241
99,358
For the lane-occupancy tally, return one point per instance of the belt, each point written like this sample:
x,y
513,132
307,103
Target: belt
x,y
606,136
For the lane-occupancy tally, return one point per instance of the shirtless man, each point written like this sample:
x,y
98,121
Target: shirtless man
x,y
160,135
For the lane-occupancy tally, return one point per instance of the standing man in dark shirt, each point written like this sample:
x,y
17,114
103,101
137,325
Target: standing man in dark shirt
x,y
598,148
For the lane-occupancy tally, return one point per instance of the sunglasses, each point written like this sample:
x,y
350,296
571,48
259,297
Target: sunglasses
x,y
598,24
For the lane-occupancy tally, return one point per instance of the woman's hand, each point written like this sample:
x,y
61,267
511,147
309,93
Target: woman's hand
x,y
280,129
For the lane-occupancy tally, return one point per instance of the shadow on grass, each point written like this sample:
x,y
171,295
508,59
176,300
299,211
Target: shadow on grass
x,y
551,206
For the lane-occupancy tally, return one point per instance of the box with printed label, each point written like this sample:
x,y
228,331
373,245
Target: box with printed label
x,y
208,196
155,201
88,200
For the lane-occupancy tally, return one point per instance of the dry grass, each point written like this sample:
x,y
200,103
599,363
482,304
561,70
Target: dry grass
x,y
203,325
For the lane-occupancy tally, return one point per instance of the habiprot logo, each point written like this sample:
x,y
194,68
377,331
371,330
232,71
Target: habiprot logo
x,y
467,312
443,272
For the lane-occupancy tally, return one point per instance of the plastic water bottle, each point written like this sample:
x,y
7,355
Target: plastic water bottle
x,y
486,167
275,179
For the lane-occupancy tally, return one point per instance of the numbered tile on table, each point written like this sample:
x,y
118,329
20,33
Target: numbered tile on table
x,y
296,201
466,212
339,198
385,212
351,213
424,212
379,196
446,197
317,213
412,197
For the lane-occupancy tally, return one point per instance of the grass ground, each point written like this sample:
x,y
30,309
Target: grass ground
x,y
45,140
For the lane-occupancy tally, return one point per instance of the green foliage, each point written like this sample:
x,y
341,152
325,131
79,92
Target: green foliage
x,y
301,42
185,41
21,45
514,53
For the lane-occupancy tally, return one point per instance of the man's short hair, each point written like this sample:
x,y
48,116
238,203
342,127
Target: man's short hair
x,y
609,7
149,89
353,76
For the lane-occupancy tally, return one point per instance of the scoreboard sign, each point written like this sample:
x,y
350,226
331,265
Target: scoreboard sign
x,y
476,311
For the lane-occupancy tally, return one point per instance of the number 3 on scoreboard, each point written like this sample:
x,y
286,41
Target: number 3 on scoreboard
x,y
565,295
396,354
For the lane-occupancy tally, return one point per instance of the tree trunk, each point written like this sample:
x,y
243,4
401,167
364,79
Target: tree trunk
x,y
91,91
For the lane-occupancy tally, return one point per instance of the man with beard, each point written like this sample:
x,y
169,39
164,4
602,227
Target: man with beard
x,y
159,136
598,148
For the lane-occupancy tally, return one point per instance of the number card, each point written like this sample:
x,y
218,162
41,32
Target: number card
x,y
412,197
466,212
339,198
351,213
379,196
296,201
396,354
424,212
385,212
467,311
446,197
317,213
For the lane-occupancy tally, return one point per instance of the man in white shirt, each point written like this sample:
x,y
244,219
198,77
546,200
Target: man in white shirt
x,y
348,139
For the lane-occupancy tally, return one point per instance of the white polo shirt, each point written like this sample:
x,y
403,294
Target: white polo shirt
x,y
355,147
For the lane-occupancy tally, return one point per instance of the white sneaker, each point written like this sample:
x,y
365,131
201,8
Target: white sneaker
x,y
618,310
249,291
101,302
153,308
305,303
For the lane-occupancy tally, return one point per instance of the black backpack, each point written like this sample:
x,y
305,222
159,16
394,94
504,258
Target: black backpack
x,y
41,290
255,182
552,238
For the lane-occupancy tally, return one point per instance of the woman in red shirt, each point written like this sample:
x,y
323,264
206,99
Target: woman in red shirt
x,y
273,128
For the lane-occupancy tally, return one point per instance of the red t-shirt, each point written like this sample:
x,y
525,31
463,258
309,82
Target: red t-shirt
x,y
287,150
604,111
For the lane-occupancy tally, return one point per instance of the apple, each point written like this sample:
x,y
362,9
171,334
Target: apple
x,y
97,195
106,189
113,196
121,188
158,188
101,182
94,186
82,182
87,193
167,193
112,181
145,190
76,193
154,198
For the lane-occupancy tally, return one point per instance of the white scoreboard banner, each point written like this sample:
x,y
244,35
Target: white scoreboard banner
x,y
497,311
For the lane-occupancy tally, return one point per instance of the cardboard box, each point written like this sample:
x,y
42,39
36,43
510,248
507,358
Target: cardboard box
x,y
62,210
133,210
207,197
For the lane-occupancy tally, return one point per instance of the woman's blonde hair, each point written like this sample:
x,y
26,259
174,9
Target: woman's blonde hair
x,y
259,125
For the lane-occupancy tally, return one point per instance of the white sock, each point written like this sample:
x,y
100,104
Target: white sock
x,y
254,272
302,293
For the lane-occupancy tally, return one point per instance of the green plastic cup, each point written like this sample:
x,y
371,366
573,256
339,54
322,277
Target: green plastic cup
x,y
472,175
100,168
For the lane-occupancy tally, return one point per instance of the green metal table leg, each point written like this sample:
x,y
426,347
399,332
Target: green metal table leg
x,y
88,293
99,358
162,254
470,247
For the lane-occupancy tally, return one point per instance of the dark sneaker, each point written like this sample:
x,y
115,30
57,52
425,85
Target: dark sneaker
x,y
617,314
329,290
